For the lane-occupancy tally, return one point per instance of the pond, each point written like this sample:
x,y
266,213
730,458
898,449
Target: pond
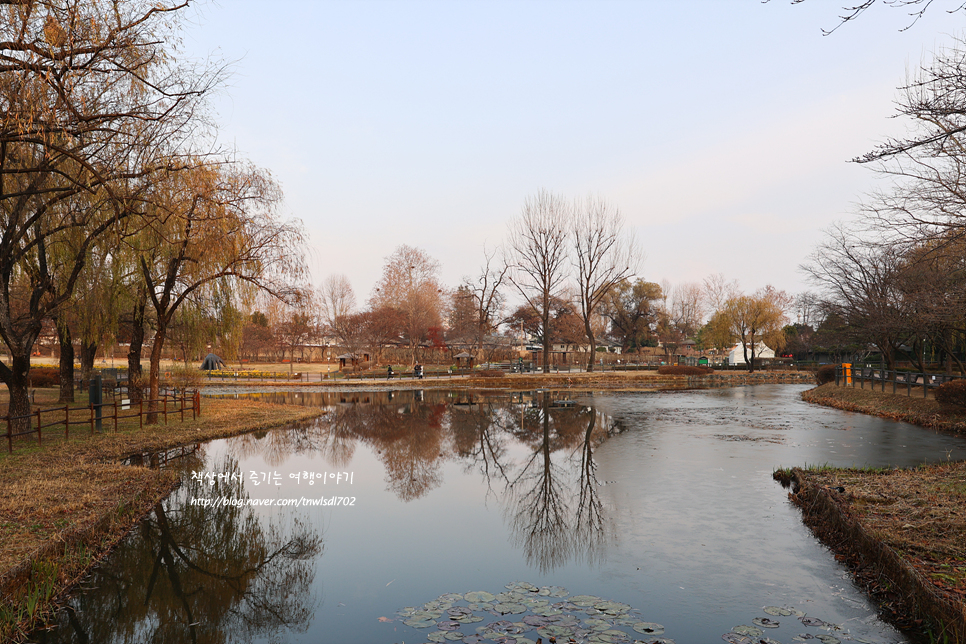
x,y
607,517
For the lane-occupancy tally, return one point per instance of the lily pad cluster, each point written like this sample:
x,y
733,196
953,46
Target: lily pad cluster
x,y
755,634
527,614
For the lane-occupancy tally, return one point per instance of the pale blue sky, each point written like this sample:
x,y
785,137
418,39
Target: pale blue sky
x,y
721,128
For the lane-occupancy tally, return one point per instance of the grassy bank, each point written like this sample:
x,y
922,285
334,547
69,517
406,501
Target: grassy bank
x,y
926,413
64,505
901,532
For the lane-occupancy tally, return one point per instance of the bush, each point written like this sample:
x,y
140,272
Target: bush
x,y
682,370
44,377
953,392
183,378
490,373
825,374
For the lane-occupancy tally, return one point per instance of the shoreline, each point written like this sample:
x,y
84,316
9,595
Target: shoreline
x,y
83,500
901,532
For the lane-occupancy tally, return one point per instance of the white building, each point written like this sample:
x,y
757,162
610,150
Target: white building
x,y
737,354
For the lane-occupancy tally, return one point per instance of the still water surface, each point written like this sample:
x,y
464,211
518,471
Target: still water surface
x,y
662,501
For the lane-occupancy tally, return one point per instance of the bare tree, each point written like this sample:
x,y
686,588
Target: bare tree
x,y
537,254
337,302
860,282
604,255
488,298
718,290
410,284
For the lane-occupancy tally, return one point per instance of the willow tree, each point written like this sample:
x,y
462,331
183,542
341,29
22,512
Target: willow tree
x,y
758,321
91,91
212,227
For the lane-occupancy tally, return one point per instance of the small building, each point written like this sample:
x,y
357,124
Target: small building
x,y
737,354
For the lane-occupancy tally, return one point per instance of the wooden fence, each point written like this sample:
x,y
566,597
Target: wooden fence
x,y
898,381
94,415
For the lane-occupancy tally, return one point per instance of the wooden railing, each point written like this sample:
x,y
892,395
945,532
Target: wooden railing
x,y
850,376
94,415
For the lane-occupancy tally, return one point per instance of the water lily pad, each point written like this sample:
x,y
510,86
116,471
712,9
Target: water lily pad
x,y
448,625
555,591
505,639
777,611
648,628
750,631
764,622
597,624
437,636
536,621
475,606
735,638
420,623
522,585
547,611
585,600
509,608
473,639
612,608
828,639
469,619
616,635
458,611
812,621
478,596
450,597
555,631
453,636
768,640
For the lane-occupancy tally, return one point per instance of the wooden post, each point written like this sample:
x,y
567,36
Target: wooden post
x,y
183,401
40,439
92,417
141,412
115,414
164,399
895,376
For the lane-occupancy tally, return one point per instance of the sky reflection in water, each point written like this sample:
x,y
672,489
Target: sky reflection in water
x,y
663,501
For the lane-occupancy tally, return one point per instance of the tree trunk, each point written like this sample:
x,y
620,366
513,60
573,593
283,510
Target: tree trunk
x,y
87,354
17,380
593,345
135,374
66,362
154,378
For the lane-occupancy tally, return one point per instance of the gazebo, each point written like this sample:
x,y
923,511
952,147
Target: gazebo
x,y
464,360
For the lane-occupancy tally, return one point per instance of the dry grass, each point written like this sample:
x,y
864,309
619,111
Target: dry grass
x,y
64,505
918,411
919,513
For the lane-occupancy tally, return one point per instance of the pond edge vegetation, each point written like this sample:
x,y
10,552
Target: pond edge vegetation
x,y
38,582
905,596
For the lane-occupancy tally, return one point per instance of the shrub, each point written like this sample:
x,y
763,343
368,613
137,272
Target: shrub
x,y
825,374
490,373
682,370
182,378
953,392
44,377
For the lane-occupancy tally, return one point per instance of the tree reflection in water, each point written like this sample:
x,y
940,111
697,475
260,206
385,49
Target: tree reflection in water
x,y
550,496
198,574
